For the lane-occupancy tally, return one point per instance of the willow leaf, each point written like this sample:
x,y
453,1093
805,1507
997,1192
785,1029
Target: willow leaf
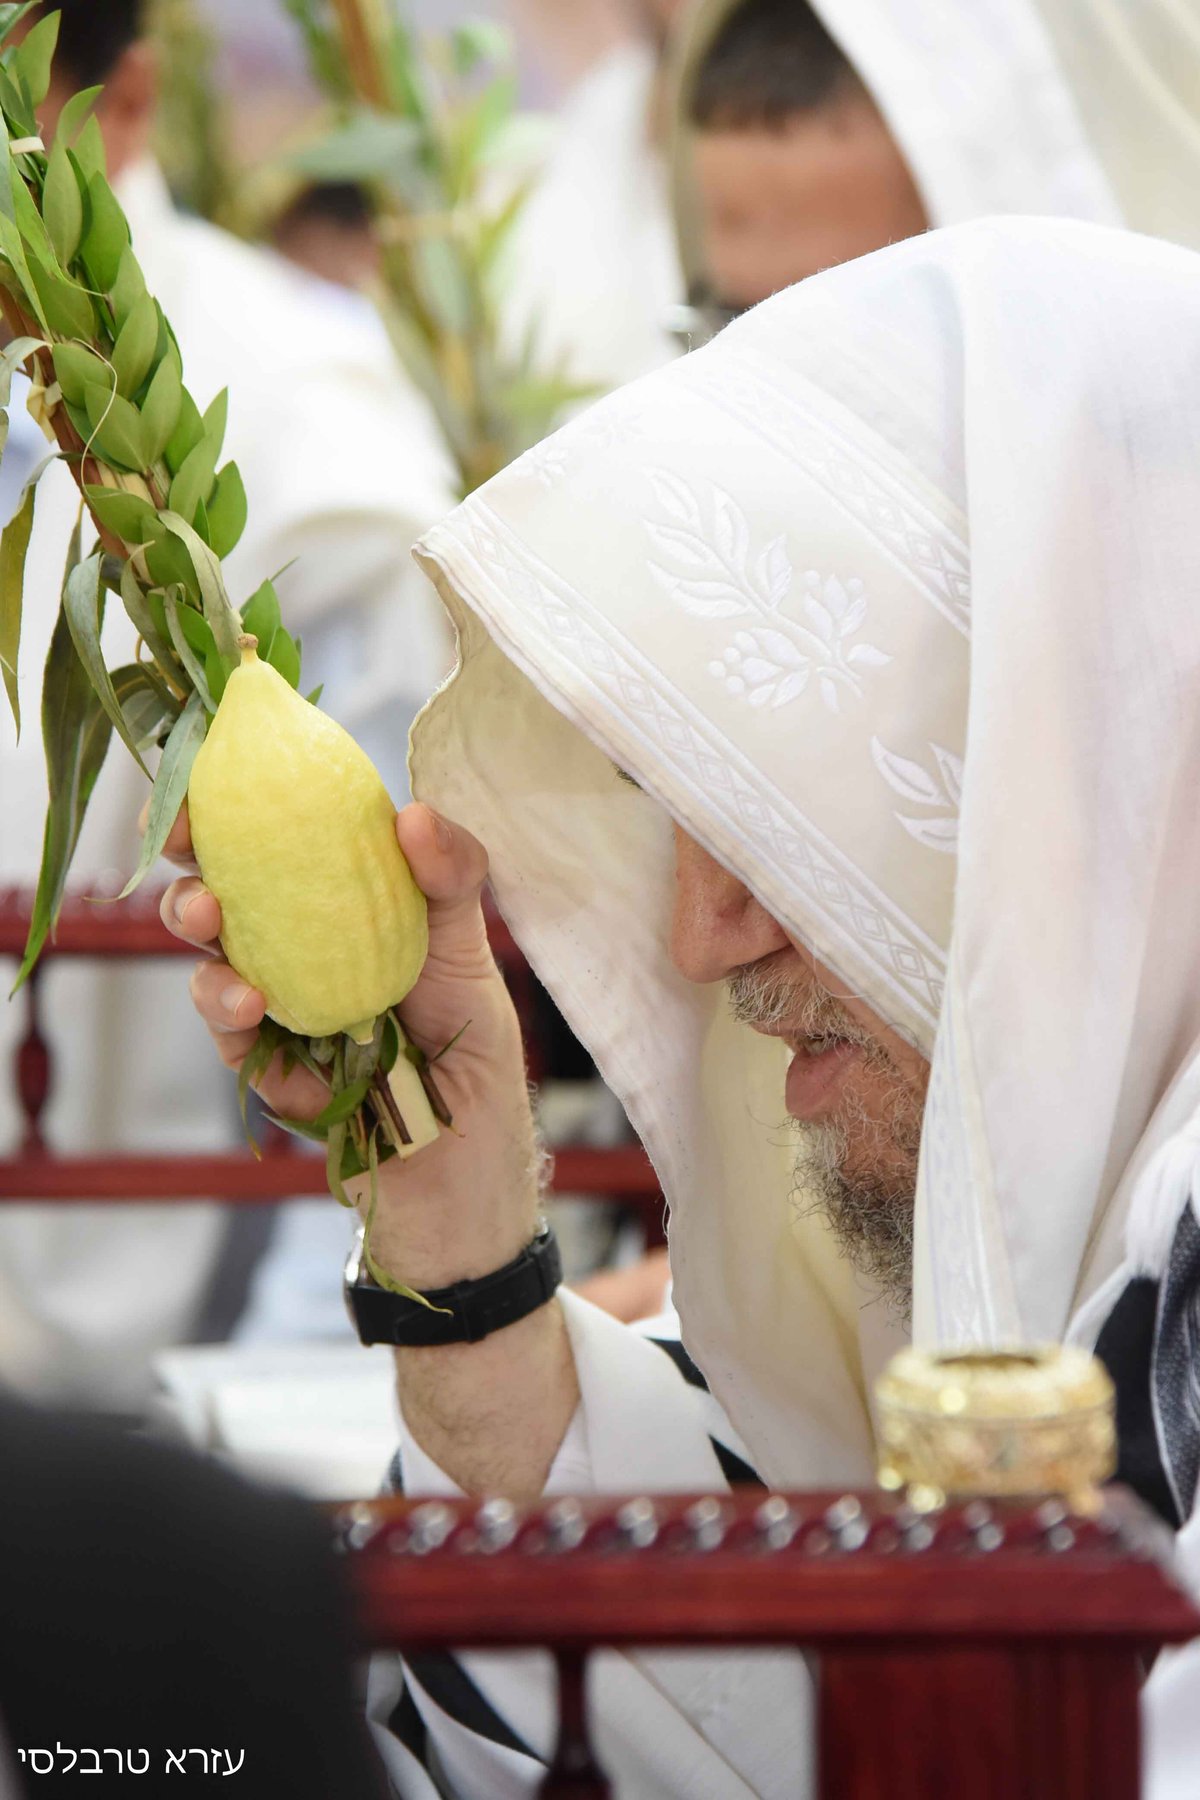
x,y
192,663
83,604
138,608
12,13
342,1105
143,702
14,546
218,609
170,788
76,733
335,1146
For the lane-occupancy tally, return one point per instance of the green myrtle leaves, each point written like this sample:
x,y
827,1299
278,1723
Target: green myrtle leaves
x,y
261,618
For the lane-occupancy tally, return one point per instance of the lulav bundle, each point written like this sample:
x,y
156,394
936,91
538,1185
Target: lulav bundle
x,y
108,387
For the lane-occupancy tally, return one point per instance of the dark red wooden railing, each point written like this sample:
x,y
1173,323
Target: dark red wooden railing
x,y
990,1651
132,928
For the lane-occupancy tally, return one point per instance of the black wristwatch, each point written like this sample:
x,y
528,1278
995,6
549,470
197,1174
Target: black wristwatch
x,y
461,1314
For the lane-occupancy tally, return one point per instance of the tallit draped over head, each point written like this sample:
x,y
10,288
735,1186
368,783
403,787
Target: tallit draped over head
x,y
972,94
891,597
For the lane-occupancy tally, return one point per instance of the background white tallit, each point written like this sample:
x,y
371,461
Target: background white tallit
x,y
1134,72
907,557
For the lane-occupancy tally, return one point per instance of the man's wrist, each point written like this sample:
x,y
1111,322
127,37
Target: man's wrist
x,y
431,1240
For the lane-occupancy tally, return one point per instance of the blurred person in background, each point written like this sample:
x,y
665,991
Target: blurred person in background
x,y
342,467
740,145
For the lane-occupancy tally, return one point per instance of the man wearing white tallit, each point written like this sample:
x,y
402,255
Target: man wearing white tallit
x,y
829,704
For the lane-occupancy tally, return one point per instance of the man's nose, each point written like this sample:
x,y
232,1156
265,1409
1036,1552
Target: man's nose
x,y
717,925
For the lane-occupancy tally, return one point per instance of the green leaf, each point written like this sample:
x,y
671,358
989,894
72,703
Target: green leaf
x,y
193,483
315,697
18,113
116,428
226,625
215,420
31,61
146,621
62,205
371,145
128,285
188,432
161,407
73,115
170,787
83,604
12,248
76,734
89,153
141,702
342,1105
283,654
179,618
169,564
336,1146
13,548
110,261
215,674
136,343
67,309
260,615
75,366
227,511
11,360
128,515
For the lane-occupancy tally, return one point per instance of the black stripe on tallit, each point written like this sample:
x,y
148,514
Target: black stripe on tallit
x,y
1126,1348
736,1472
443,1678
440,1675
674,1349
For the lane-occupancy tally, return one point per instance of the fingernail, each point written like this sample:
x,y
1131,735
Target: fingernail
x,y
233,995
182,902
443,836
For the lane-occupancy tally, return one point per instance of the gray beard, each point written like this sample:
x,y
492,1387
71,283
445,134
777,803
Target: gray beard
x,y
870,1212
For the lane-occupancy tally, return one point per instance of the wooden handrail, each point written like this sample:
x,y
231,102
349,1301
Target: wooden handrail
x,y
106,928
814,1568
991,1650
986,1651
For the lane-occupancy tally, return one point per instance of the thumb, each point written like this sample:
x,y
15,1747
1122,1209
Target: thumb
x,y
450,866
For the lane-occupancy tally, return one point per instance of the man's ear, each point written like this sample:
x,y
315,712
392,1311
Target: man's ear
x,y
127,106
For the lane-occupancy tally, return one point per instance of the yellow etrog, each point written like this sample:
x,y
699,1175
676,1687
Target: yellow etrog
x,y
295,834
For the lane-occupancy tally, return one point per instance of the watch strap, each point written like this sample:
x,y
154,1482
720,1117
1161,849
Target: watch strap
x,y
462,1313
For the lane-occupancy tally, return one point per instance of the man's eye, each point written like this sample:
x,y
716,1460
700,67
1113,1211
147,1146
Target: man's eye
x,y
622,775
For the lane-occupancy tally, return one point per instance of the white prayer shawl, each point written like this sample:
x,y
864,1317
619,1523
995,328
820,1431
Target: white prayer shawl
x,y
972,94
888,597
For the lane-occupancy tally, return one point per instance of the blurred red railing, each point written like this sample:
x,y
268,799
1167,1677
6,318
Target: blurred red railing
x,y
132,928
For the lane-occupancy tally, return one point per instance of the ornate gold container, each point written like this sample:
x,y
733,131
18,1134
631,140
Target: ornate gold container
x,y
995,1422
